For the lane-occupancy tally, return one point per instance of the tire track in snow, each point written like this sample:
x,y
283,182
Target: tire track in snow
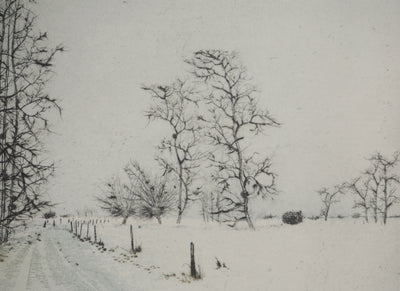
x,y
69,265
10,267
22,278
66,275
51,259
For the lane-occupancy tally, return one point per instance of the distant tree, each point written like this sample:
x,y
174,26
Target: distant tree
x,y
330,197
374,186
89,211
176,105
118,199
361,189
385,181
26,61
154,198
233,117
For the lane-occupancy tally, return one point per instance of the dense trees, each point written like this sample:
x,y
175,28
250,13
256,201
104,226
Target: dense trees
x,y
143,195
25,68
382,174
376,189
220,112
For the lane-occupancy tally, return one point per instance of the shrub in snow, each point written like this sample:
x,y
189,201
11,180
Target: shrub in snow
x,y
154,198
49,214
292,217
356,215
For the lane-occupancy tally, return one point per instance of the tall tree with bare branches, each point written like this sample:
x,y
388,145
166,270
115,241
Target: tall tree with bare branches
x,y
175,105
233,117
25,67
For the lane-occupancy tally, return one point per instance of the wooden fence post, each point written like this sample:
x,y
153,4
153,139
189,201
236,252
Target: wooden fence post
x,y
132,244
193,271
95,233
80,231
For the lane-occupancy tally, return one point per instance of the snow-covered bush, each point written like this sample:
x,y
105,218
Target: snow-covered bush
x,y
292,217
154,198
49,214
119,199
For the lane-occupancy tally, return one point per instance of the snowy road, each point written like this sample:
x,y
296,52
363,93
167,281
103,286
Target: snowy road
x,y
50,259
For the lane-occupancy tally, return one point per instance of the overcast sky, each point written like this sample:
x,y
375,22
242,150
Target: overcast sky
x,y
329,71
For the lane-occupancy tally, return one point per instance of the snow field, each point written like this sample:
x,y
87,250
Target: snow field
x,y
315,255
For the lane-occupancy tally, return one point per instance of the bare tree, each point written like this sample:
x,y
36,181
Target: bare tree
x,y
330,197
361,188
234,115
118,199
154,198
175,105
386,182
374,185
25,67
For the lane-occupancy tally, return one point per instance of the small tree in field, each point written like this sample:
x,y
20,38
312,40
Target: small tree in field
x,y
154,198
234,116
175,105
329,197
118,199
374,186
360,188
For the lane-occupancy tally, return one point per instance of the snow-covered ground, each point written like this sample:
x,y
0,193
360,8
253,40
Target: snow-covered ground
x,y
315,255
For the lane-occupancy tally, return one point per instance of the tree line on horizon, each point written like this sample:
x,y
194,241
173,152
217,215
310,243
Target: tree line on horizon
x,y
375,190
212,119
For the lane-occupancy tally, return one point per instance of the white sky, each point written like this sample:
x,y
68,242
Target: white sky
x,y
328,70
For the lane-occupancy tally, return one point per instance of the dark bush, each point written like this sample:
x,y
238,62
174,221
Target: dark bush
x,y
356,215
49,214
292,217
